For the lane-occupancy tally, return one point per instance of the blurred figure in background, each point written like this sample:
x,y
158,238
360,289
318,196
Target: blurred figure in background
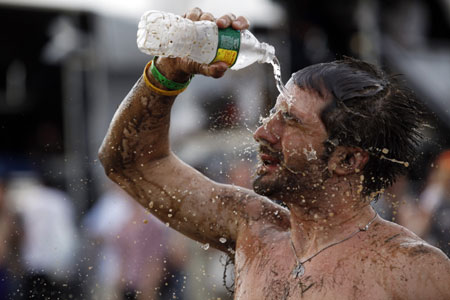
x,y
132,255
435,204
174,273
49,242
141,243
429,217
102,225
10,238
5,224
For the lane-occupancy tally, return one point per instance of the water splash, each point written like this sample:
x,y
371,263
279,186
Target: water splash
x,y
277,74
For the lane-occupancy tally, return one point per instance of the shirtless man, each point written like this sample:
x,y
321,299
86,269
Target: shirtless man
x,y
345,134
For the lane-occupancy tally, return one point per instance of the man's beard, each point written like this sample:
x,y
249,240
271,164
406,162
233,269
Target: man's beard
x,y
287,181
269,186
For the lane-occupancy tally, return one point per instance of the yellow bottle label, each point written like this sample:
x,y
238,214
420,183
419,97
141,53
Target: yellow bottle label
x,y
228,46
228,56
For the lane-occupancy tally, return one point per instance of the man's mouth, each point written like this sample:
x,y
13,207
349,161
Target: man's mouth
x,y
270,160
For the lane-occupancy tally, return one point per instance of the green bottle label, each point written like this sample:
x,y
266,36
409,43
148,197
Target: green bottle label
x,y
228,46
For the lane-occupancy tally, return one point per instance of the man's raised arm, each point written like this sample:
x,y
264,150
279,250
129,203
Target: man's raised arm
x,y
136,154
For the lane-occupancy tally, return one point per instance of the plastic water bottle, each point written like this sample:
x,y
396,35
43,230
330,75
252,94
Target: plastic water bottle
x,y
165,34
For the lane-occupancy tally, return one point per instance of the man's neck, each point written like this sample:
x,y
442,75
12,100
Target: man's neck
x,y
326,216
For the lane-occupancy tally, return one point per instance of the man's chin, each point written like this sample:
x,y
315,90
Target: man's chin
x,y
266,186
276,184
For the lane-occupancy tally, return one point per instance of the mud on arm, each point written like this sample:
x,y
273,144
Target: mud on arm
x,y
136,155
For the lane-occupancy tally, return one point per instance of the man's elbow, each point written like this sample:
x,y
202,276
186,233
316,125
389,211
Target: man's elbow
x,y
108,159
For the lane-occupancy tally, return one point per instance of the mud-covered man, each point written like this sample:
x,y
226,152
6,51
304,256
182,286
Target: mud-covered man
x,y
341,138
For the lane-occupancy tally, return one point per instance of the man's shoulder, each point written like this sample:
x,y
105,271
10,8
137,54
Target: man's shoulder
x,y
396,239
415,268
412,250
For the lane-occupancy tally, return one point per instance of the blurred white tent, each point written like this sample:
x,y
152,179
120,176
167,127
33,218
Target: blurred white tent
x,y
260,12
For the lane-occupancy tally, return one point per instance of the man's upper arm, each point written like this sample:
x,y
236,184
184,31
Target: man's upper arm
x,y
196,206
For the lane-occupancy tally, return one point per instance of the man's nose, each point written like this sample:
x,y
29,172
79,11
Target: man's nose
x,y
270,130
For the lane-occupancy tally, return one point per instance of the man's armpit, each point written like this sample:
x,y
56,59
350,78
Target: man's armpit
x,y
251,207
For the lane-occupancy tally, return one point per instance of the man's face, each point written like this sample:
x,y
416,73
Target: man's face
x,y
291,144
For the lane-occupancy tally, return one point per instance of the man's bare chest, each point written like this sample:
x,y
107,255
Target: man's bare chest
x,y
264,271
271,278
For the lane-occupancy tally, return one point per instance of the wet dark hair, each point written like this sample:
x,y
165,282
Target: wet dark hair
x,y
371,110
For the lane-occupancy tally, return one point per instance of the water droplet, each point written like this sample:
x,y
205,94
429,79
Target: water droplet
x,y
310,155
205,246
223,240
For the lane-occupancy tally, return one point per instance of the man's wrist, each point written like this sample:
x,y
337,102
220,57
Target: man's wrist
x,y
159,84
166,82
169,68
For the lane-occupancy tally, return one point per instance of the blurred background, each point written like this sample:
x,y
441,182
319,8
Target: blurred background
x,y
66,232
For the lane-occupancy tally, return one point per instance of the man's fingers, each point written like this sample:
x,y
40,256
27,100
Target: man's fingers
x,y
240,23
194,14
215,70
226,20
206,16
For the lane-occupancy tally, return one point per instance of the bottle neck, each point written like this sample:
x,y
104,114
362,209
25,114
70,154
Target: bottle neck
x,y
268,53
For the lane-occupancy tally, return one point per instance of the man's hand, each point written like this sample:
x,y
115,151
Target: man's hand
x,y
180,69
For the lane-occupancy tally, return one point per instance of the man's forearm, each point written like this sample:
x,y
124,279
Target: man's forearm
x,y
136,155
138,132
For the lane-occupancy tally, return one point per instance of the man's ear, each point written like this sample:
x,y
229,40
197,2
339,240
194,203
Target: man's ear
x,y
347,160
